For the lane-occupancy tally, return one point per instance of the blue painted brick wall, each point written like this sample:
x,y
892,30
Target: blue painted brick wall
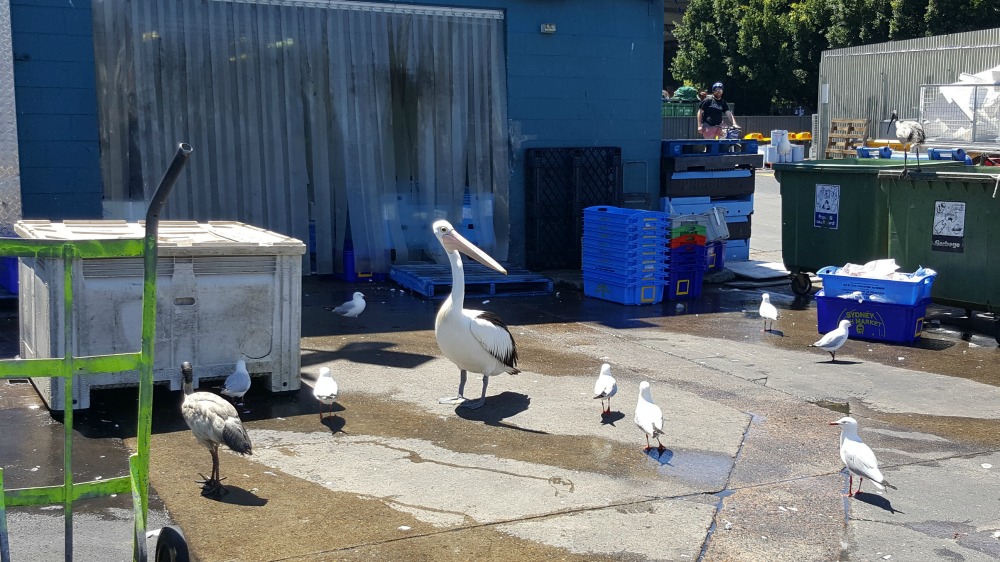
x,y
55,93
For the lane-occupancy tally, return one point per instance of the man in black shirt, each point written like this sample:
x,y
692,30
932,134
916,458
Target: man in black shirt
x,y
711,112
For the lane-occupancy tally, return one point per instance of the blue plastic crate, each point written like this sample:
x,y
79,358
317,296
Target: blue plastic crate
x,y
738,249
623,293
685,284
715,258
897,323
622,216
632,271
735,206
895,292
8,274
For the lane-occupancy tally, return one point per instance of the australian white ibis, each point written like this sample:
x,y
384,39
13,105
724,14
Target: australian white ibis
x,y
473,340
214,422
908,133
834,339
858,457
649,417
767,311
605,387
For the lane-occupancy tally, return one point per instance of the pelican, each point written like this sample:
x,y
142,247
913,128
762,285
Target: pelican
x,y
834,339
605,387
908,132
473,340
858,457
214,422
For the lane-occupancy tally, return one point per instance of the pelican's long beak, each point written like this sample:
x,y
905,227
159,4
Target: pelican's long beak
x,y
455,241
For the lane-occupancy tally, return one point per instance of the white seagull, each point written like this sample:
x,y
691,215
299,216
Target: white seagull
x,y
648,417
473,340
353,307
605,387
858,457
908,132
238,383
767,311
834,339
325,390
214,422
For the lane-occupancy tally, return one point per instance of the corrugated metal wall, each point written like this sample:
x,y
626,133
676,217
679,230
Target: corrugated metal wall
x,y
870,81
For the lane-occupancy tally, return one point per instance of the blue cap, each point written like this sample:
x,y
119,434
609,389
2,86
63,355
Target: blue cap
x,y
717,86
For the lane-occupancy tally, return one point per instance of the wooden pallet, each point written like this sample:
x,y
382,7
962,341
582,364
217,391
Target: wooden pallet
x,y
845,136
434,281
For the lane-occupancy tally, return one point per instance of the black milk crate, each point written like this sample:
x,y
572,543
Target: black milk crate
x,y
718,162
707,184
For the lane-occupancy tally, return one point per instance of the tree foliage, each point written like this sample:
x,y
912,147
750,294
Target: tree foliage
x,y
768,51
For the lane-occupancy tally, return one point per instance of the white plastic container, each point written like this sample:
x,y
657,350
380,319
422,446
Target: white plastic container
x,y
225,291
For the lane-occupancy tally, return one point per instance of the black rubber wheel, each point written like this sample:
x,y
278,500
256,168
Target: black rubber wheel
x,y
171,546
801,284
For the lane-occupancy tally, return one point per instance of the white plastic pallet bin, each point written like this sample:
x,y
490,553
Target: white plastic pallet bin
x,y
225,290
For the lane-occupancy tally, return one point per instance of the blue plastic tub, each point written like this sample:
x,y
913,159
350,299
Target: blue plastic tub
x,y
897,323
715,260
893,292
650,292
685,284
8,274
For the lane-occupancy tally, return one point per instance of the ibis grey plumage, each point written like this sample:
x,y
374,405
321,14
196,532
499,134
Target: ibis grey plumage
x,y
473,340
908,133
214,422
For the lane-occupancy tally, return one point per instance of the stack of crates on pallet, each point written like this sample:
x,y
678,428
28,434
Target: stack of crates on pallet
x,y
697,175
624,255
890,310
688,256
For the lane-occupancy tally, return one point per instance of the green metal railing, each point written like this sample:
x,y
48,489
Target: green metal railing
x,y
69,366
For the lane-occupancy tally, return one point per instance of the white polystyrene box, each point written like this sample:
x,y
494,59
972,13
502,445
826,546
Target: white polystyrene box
x,y
225,290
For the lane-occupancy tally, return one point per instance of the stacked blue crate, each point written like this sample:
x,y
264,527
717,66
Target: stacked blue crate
x,y
688,257
696,175
624,254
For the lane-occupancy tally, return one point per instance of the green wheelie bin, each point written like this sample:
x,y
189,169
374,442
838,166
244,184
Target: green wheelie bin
x,y
834,212
949,220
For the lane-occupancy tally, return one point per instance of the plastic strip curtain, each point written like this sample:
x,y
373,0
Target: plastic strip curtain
x,y
312,110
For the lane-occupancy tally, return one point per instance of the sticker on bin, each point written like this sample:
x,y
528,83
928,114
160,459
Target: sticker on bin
x,y
827,210
903,288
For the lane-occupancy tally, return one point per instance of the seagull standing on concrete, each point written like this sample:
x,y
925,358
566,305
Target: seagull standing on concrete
x,y
605,387
834,339
214,422
908,132
238,383
767,311
858,457
353,307
325,390
649,417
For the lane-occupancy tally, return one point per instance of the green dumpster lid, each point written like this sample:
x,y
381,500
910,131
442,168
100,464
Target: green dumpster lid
x,y
969,174
859,165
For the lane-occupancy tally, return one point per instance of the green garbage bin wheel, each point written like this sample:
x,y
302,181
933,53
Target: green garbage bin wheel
x,y
801,283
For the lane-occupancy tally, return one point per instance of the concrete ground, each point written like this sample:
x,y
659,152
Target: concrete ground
x,y
751,469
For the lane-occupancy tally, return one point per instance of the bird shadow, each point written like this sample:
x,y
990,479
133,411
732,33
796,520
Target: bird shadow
x,y
662,458
840,362
335,423
877,501
774,332
610,419
498,408
234,495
